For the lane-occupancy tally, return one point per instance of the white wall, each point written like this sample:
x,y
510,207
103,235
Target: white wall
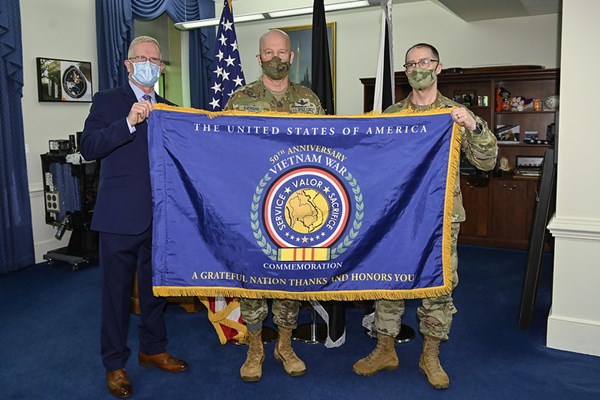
x,y
516,41
64,29
574,322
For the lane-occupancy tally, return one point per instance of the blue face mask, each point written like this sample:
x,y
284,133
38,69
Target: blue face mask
x,y
146,73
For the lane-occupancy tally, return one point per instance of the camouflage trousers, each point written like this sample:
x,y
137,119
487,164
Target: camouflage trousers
x,y
435,313
254,312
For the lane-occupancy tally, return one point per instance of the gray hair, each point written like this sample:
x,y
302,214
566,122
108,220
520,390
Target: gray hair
x,y
139,40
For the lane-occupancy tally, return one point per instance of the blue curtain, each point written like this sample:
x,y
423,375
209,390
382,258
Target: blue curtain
x,y
114,32
203,42
114,21
16,235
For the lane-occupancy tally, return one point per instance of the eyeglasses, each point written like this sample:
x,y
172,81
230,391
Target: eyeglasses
x,y
153,60
423,63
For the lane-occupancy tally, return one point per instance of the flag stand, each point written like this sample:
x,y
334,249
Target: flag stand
x,y
406,334
312,332
268,334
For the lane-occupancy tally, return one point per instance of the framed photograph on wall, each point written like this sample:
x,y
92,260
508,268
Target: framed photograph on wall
x,y
64,80
301,38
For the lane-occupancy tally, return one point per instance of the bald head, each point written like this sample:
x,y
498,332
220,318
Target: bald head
x,y
275,36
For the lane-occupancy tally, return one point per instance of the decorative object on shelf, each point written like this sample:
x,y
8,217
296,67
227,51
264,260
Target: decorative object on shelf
x,y
551,103
482,101
504,168
502,99
537,105
519,103
530,135
536,141
530,161
465,97
508,134
529,165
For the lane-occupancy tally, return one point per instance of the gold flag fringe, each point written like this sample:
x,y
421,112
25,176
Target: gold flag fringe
x,y
453,170
345,295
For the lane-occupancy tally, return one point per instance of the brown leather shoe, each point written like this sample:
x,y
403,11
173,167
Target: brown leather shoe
x,y
118,383
163,361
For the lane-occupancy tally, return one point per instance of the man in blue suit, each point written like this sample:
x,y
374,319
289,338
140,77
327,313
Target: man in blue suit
x,y
115,133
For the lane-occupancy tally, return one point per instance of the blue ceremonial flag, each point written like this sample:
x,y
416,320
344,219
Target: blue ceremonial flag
x,y
302,207
226,70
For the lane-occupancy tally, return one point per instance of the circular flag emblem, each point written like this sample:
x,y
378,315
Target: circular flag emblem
x,y
306,207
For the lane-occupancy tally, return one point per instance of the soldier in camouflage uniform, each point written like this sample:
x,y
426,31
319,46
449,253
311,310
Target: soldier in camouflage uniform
x,y
273,92
479,145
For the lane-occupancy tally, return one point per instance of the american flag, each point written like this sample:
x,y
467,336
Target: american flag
x,y
226,70
225,315
226,76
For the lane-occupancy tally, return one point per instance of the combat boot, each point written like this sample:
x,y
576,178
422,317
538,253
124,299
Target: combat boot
x,y
251,370
284,353
384,357
429,363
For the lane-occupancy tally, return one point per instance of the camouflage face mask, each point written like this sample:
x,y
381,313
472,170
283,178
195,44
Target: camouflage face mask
x,y
275,68
421,78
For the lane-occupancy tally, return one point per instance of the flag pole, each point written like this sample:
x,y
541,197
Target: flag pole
x,y
332,312
385,97
226,77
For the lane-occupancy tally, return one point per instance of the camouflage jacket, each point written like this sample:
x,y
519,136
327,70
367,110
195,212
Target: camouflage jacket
x,y
480,148
255,97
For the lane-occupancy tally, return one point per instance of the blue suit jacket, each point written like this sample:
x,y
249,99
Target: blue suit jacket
x,y
124,199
